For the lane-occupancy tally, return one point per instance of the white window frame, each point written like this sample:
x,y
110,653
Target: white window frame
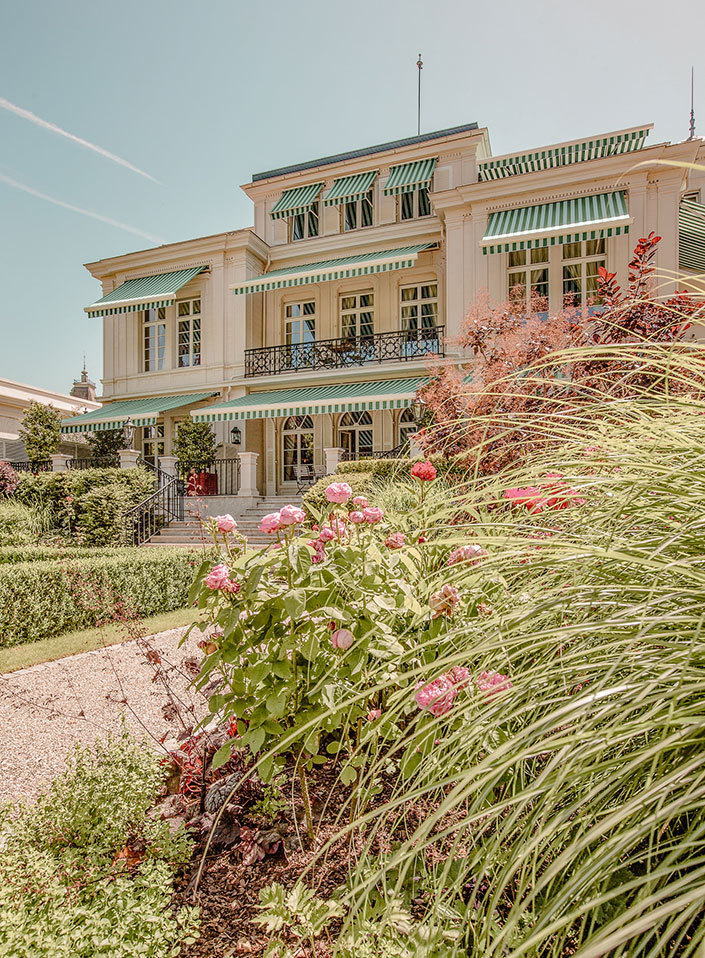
x,y
153,438
419,302
357,206
291,220
300,320
526,270
355,312
150,337
189,319
582,261
301,429
415,194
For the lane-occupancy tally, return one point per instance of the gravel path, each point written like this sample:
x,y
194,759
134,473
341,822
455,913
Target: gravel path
x,y
46,709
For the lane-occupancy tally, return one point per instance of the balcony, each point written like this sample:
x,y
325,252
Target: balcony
x,y
400,346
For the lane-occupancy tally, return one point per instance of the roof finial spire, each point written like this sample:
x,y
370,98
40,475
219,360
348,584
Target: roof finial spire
x,y
692,104
419,64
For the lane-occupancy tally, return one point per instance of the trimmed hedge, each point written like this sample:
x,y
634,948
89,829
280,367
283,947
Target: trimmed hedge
x,y
39,599
20,525
38,553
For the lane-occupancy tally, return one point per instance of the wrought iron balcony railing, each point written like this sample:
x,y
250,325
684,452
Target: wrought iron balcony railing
x,y
401,346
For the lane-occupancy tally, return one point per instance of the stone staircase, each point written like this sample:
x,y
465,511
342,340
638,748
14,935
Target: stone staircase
x,y
190,533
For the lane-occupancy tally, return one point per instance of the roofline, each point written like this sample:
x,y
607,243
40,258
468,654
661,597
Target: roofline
x,y
353,154
576,142
176,243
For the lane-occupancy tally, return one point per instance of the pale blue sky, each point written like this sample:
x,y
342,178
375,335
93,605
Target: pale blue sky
x,y
201,95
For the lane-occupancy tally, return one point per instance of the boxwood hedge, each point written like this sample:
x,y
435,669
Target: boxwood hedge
x,y
46,597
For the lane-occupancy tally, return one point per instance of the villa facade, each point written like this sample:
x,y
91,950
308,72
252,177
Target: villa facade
x,y
313,329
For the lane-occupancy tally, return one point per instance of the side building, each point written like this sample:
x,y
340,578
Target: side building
x,y
307,336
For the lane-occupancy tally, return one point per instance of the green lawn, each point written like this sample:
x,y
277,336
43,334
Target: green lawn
x,y
46,650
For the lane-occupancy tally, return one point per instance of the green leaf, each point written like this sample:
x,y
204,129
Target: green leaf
x,y
277,702
348,775
255,739
222,755
295,603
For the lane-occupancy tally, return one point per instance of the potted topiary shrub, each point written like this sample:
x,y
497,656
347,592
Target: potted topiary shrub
x,y
195,448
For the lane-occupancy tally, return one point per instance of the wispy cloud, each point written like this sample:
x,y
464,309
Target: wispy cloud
x,y
53,128
78,209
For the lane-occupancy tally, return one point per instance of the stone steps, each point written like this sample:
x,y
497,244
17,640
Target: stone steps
x,y
190,531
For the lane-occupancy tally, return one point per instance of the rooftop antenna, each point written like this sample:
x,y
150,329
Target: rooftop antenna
x,y
692,104
419,64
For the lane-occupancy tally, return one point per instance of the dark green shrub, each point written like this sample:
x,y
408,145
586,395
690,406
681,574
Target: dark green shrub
x,y
63,892
101,518
40,430
40,553
195,445
41,599
360,482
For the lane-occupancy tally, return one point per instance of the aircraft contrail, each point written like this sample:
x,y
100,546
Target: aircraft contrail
x,y
77,209
46,125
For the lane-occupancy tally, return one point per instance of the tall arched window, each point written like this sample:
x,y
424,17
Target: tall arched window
x,y
407,426
355,430
297,446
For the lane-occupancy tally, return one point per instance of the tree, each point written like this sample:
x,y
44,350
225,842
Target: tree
x,y
195,445
529,364
41,431
106,444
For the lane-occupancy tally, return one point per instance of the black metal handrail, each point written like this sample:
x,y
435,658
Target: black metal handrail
x,y
43,466
165,505
221,477
402,345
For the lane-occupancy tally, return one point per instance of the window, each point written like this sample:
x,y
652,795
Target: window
x,y
298,446
528,270
355,432
419,307
357,315
407,427
413,204
188,313
304,225
299,334
153,443
358,214
581,262
693,196
154,341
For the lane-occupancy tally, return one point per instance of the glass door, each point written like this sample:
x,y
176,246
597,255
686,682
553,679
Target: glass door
x,y
356,435
297,444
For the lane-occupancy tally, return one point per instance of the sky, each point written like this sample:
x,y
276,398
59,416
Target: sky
x,y
129,124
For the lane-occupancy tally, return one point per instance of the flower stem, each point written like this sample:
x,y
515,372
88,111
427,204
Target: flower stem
x,y
307,801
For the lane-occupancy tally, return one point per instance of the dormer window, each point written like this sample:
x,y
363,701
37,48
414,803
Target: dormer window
x,y
354,194
411,184
359,213
414,204
304,225
300,206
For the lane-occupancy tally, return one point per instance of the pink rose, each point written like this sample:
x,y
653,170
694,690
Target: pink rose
x,y
361,502
326,534
218,576
289,515
342,639
373,514
374,714
225,523
437,696
425,471
459,675
270,523
471,553
395,540
338,492
444,601
356,517
491,683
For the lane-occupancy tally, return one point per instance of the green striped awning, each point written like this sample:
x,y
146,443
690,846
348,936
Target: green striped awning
x,y
296,200
691,236
331,269
565,221
348,189
612,144
145,292
142,412
410,176
313,400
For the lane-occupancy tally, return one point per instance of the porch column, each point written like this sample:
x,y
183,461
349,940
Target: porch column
x,y
334,455
128,458
60,462
167,464
248,475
